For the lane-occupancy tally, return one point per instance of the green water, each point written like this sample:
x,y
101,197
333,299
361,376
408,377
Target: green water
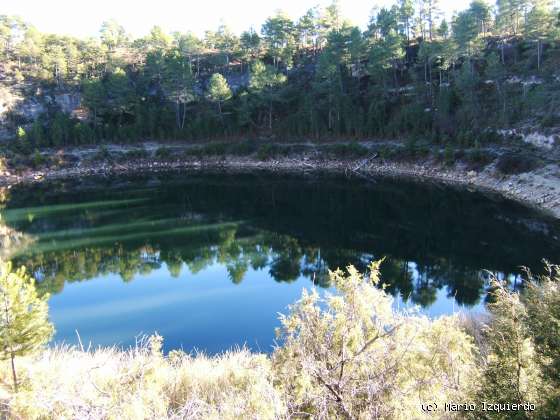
x,y
208,261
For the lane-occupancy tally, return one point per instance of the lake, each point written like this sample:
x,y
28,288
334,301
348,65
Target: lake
x,y
209,260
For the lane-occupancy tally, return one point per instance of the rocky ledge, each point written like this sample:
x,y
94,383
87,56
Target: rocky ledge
x,y
539,188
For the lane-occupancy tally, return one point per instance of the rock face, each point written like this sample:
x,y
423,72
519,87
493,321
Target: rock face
x,y
16,103
7,99
68,102
540,140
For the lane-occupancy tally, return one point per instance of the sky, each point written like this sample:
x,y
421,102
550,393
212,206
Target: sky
x,y
84,18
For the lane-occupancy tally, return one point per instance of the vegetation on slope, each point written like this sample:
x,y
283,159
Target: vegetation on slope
x,y
348,355
410,74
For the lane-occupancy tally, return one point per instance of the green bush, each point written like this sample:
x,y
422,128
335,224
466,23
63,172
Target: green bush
x,y
410,146
214,149
390,152
550,120
243,148
268,151
523,337
478,158
490,137
21,134
449,155
516,163
103,154
22,146
136,154
164,153
37,160
346,150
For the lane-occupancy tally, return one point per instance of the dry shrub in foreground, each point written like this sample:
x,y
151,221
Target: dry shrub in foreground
x,y
348,355
351,355
141,383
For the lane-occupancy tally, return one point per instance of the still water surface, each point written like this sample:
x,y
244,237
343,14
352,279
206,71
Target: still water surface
x,y
208,261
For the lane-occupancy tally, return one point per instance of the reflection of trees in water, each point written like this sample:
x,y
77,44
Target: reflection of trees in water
x,y
239,250
292,229
11,239
286,258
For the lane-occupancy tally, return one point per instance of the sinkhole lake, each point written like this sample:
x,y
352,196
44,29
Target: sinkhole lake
x,y
208,260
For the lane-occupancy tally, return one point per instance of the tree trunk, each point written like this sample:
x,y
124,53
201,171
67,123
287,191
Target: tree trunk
x,y
14,372
270,116
431,85
505,103
407,33
539,46
502,97
184,115
503,61
177,112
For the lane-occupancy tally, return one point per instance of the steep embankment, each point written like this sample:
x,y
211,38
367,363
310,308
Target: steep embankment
x,y
526,173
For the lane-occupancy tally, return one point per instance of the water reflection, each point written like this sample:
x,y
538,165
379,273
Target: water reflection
x,y
435,239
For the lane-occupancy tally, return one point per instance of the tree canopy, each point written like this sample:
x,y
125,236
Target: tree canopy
x,y
315,76
24,321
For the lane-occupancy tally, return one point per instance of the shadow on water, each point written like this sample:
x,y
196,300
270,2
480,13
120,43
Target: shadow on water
x,y
437,240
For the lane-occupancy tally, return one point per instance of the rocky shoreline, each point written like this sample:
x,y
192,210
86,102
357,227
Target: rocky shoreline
x,y
539,188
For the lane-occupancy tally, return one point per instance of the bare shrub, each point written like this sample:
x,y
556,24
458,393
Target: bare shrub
x,y
352,355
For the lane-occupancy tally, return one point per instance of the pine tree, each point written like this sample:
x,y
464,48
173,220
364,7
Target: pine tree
x,y
406,13
112,34
94,98
307,28
465,32
540,25
511,374
510,16
265,83
332,17
481,13
433,14
279,34
178,84
24,321
250,44
36,135
218,90
20,134
227,43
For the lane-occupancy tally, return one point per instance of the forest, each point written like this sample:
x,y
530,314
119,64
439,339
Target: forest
x,y
411,74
